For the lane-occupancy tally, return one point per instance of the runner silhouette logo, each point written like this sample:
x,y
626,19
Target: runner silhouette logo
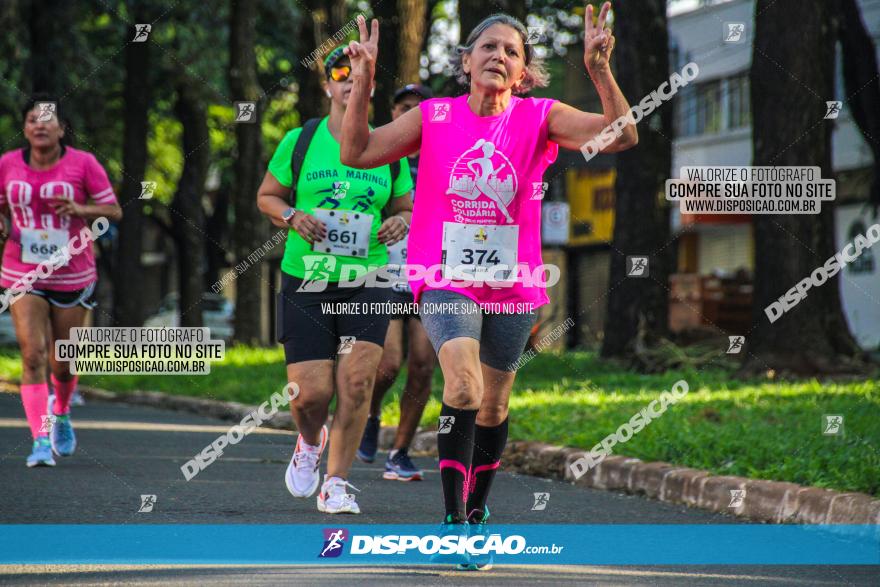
x,y
46,111
334,542
441,112
446,423
636,266
141,33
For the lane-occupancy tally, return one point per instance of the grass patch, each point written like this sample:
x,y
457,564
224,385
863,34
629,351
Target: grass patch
x,y
758,428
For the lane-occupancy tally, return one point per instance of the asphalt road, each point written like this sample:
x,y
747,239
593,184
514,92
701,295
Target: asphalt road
x,y
127,451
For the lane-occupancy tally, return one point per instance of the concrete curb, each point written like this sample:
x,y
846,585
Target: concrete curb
x,y
765,501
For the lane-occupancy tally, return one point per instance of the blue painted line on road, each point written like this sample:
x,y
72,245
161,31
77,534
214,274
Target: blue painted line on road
x,y
646,544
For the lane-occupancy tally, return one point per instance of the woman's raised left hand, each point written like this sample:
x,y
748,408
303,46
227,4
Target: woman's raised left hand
x,y
598,40
363,54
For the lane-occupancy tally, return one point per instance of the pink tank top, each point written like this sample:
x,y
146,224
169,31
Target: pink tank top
x,y
28,192
479,205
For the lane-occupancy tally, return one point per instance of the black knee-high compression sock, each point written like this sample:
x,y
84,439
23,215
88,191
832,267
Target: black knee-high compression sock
x,y
489,442
455,446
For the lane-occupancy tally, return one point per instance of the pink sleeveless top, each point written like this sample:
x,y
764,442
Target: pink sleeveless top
x,y
477,185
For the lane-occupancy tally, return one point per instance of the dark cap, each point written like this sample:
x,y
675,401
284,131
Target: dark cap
x,y
417,89
333,58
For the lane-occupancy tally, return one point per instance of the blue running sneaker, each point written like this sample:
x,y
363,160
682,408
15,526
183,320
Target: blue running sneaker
x,y
63,438
400,467
478,527
370,441
452,527
42,454
77,399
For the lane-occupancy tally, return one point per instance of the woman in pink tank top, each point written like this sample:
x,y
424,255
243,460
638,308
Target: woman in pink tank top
x,y
58,200
474,258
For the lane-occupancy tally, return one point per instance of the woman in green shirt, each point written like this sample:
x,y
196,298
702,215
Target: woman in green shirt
x,y
332,329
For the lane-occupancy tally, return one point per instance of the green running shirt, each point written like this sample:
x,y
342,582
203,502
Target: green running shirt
x,y
324,182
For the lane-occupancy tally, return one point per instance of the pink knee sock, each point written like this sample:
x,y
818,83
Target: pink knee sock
x,y
63,392
34,397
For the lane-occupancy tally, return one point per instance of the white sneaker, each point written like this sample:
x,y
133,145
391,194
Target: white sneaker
x,y
302,472
333,498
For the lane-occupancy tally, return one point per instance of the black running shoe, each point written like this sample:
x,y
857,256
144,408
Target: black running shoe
x,y
370,441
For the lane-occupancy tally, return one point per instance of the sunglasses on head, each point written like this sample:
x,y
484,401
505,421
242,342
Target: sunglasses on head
x,y
341,73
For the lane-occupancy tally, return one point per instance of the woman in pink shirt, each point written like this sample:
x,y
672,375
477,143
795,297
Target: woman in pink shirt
x,y
51,194
474,252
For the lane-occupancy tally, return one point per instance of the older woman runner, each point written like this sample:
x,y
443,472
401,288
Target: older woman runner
x,y
480,155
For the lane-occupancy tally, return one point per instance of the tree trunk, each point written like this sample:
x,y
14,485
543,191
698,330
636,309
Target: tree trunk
x,y
216,227
316,27
413,29
250,228
127,292
49,23
187,213
387,80
637,311
472,12
812,337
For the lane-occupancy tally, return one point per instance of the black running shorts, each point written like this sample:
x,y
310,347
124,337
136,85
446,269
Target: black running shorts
x,y
69,299
316,325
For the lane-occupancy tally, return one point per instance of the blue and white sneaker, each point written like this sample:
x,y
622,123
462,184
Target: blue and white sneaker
x,y
77,399
63,438
42,454
452,527
370,441
400,467
479,562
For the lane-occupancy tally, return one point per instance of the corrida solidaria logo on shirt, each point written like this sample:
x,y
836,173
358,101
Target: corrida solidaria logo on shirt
x,y
482,184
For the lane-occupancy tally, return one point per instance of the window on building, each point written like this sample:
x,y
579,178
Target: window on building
x,y
686,118
709,108
713,107
738,111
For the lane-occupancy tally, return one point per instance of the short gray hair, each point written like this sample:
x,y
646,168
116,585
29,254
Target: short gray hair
x,y
536,74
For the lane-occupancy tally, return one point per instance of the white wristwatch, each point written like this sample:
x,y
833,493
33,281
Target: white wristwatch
x,y
289,215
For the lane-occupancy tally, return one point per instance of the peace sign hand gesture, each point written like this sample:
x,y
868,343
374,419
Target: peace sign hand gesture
x,y
363,54
598,40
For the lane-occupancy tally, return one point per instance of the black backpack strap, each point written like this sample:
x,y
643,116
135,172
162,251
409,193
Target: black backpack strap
x,y
395,171
299,154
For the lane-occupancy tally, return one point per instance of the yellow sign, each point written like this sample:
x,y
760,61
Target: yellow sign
x,y
591,197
